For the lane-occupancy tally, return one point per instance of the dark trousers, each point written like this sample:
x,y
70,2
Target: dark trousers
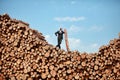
x,y
59,42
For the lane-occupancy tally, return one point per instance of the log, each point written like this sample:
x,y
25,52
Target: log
x,y
53,73
0,62
77,77
29,78
83,64
26,55
78,58
95,67
69,71
66,40
44,75
51,67
47,54
83,56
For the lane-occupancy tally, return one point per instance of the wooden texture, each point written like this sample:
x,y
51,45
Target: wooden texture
x,y
119,35
26,55
66,40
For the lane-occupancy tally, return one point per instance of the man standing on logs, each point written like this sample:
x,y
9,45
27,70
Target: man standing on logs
x,y
59,35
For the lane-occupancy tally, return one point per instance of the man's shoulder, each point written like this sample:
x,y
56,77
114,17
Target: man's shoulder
x,y
57,31
63,32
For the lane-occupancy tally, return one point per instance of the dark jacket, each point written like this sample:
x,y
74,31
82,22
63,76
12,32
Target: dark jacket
x,y
59,34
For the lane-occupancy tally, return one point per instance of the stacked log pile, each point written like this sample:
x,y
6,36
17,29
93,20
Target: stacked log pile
x,y
26,55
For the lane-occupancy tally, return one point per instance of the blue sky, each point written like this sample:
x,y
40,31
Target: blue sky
x,y
90,23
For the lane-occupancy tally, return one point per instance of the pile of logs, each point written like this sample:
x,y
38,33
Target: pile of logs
x,y
26,55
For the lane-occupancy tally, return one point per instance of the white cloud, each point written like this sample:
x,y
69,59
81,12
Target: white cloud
x,y
51,39
74,28
71,19
73,2
94,45
47,36
74,44
95,28
77,44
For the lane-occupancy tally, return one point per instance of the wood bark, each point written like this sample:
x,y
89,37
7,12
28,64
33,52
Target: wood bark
x,y
66,40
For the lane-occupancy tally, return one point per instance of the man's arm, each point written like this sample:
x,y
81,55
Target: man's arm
x,y
63,32
56,33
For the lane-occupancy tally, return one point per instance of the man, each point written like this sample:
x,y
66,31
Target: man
x,y
59,35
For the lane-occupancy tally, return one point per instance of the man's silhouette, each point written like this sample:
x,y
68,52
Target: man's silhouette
x,y
59,35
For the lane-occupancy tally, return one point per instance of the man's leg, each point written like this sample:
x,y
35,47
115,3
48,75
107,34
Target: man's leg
x,y
59,42
59,46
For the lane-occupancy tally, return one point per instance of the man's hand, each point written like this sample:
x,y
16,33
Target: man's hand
x,y
56,34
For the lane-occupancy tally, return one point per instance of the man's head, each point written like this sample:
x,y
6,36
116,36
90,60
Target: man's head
x,y
60,29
